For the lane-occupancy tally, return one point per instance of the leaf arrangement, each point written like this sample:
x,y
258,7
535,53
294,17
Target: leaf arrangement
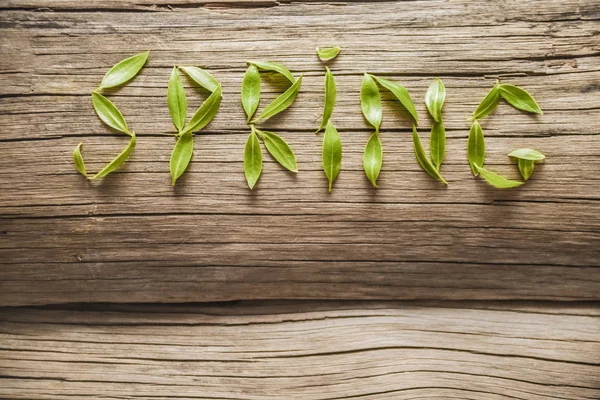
x,y
526,158
332,144
177,102
119,74
370,100
275,145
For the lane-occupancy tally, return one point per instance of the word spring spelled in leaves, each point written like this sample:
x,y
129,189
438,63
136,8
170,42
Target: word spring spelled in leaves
x,y
279,149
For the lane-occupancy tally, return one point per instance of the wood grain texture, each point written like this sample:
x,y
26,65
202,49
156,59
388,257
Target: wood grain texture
x,y
132,238
303,351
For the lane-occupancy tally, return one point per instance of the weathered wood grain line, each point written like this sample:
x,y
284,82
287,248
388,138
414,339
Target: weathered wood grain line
x,y
302,351
133,238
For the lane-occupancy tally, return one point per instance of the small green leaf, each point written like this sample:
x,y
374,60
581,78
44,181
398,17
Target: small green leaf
x,y
496,180
330,95
526,167
205,113
434,99
282,102
423,160
117,161
527,154
252,160
109,113
78,160
519,98
437,144
250,91
332,153
181,155
176,100
370,102
124,70
402,95
476,147
201,77
279,149
488,104
328,53
273,67
373,158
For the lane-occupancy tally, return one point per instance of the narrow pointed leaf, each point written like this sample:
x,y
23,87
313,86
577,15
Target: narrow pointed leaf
x,y
330,96
273,67
201,77
117,161
434,99
181,155
332,153
527,154
488,104
279,149
205,113
437,144
282,102
476,147
124,70
328,53
401,93
519,98
250,91
109,113
78,160
526,167
496,180
423,160
370,102
176,100
373,158
252,160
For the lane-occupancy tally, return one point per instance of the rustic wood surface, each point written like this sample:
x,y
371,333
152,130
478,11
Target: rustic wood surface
x,y
303,351
133,238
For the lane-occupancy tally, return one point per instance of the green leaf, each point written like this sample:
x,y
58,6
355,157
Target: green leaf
x,y
282,102
273,67
496,180
330,95
124,70
109,113
527,154
402,95
370,102
328,53
332,153
205,113
526,167
519,98
373,158
434,99
423,160
279,149
117,161
488,104
250,91
476,147
437,144
201,77
181,155
78,160
252,160
176,100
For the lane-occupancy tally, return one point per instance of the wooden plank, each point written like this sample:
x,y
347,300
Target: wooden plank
x,y
133,238
303,351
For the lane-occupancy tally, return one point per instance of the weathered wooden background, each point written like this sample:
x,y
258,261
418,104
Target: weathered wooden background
x,y
132,238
